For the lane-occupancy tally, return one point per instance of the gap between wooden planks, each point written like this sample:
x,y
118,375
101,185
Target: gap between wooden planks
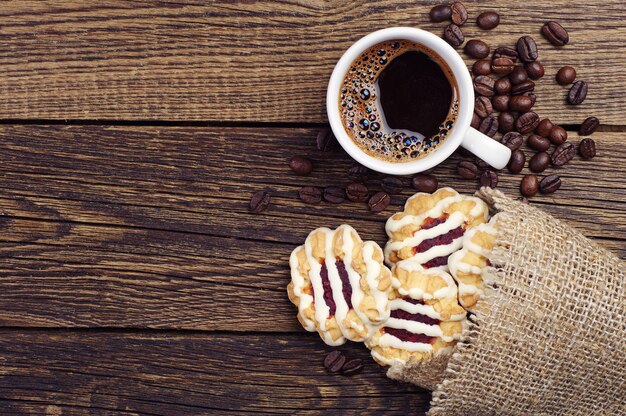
x,y
263,60
148,226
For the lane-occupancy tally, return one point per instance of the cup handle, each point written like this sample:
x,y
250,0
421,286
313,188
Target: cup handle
x,y
486,148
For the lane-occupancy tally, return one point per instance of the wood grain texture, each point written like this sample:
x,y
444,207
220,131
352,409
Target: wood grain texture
x,y
77,373
261,60
148,226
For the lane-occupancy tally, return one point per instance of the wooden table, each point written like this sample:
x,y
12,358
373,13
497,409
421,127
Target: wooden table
x,y
133,280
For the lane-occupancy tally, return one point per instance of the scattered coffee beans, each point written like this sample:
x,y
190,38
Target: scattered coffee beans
x,y
459,13
538,143
352,367
517,161
453,35
518,75
326,140
544,128
259,202
535,70
483,85
527,122
532,96
358,173
566,75
577,93
467,169
379,201
391,185
300,165
505,52
489,178
558,135
523,88
503,85
475,121
310,194
476,49
334,361
539,162
513,140
587,148
506,122
334,194
424,182
488,126
440,13
589,126
529,185
482,67
357,192
482,106
488,20
550,184
520,103
502,65
563,154
555,33
482,165
527,49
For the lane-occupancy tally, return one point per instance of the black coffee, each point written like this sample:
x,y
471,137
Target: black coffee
x,y
398,101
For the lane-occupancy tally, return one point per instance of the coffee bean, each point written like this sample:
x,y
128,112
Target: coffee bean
x,y
357,192
483,85
563,154
577,93
589,126
481,164
482,67
300,165
459,13
555,33
379,201
352,367
358,173
259,202
566,75
513,140
489,178
453,35
440,13
532,96
544,127
518,75
535,70
506,122
527,122
587,148
505,52
539,162
521,103
535,141
334,194
501,102
310,194
488,126
482,106
488,20
475,121
391,185
550,184
527,49
476,49
503,85
467,169
523,87
326,140
529,185
334,361
424,182
502,65
557,135
517,161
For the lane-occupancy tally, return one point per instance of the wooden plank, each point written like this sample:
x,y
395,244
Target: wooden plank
x,y
166,374
261,60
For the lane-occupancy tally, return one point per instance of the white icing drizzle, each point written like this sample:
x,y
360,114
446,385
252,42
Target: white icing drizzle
x,y
298,286
455,220
387,340
449,291
423,309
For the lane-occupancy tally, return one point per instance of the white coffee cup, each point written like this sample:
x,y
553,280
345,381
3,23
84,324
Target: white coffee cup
x,y
486,148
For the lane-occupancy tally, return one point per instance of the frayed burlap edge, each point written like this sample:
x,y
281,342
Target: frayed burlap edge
x,y
548,336
427,374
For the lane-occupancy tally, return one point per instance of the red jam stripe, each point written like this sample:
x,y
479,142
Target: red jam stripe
x,y
404,335
416,317
431,222
328,291
346,287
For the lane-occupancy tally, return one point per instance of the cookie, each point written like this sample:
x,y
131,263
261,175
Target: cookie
x,y
425,320
431,227
468,264
340,285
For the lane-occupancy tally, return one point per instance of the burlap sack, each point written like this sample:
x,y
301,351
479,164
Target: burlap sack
x,y
549,337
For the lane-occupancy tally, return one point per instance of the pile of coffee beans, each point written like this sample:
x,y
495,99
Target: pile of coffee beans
x,y
337,363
